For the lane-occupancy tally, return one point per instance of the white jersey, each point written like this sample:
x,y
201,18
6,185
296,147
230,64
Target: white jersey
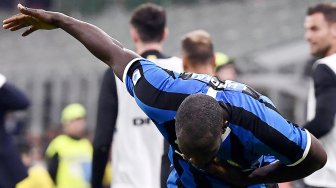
x,y
137,145
2,80
325,177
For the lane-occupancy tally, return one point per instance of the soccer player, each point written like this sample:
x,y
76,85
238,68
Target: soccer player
x,y
320,26
148,32
219,132
198,53
12,170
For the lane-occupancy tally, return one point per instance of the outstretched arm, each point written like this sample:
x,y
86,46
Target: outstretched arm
x,y
100,44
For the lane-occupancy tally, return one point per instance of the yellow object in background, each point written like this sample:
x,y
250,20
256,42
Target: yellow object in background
x,y
38,177
73,111
107,175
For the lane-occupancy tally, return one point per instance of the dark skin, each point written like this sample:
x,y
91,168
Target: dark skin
x,y
111,52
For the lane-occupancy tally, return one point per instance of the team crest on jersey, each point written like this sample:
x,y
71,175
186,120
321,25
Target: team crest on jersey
x,y
136,76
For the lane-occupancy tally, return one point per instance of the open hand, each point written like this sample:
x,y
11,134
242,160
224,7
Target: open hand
x,y
35,19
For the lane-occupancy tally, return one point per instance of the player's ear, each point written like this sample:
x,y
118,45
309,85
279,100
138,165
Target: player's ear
x,y
134,34
165,34
333,30
186,63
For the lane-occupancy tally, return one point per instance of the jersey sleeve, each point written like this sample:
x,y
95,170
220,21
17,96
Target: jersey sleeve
x,y
264,131
285,140
128,75
325,110
157,91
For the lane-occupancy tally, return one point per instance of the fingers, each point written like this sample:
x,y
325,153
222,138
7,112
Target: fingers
x,y
14,18
12,26
16,22
29,31
26,14
17,27
27,17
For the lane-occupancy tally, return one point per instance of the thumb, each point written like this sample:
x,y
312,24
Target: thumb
x,y
27,11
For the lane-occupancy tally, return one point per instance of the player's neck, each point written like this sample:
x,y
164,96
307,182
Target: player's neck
x,y
202,70
332,50
143,47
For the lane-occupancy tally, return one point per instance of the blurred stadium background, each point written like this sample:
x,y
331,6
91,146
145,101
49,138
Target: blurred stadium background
x,y
264,36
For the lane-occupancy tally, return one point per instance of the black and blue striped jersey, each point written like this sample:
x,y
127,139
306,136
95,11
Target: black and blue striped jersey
x,y
256,136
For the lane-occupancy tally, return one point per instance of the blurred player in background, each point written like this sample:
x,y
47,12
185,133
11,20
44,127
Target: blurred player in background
x,y
320,32
132,132
12,170
198,53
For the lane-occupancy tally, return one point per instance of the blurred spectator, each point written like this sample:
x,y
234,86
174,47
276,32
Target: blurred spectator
x,y
50,133
198,53
38,176
308,67
225,67
320,32
69,154
148,32
12,170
